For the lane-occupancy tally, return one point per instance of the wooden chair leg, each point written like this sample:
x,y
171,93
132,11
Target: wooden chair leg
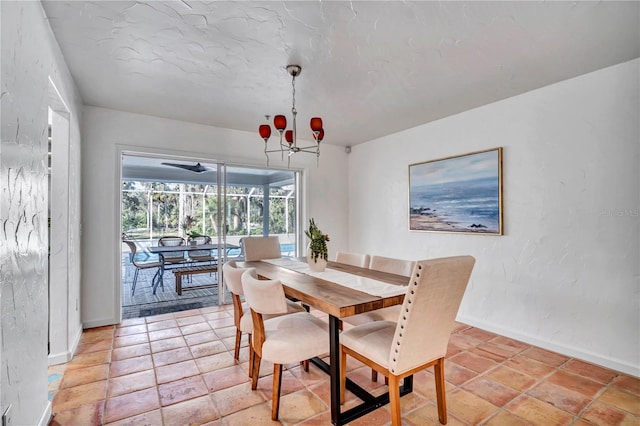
x,y
256,371
438,370
275,398
236,351
305,365
343,373
394,400
251,356
374,377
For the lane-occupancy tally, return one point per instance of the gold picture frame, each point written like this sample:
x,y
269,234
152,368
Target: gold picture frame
x,y
460,194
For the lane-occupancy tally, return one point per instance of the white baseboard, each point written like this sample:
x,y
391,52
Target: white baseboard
x,y
60,358
46,415
63,357
99,323
614,364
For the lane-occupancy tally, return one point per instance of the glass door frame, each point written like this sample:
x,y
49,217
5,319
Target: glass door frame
x,y
221,193
222,225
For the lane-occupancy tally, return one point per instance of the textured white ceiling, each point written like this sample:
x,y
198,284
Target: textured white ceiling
x,y
368,68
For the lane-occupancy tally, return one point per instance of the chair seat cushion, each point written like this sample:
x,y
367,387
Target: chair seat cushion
x,y
294,338
392,313
246,322
373,340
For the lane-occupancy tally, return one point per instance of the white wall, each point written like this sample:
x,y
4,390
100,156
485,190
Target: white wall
x,y
30,56
565,274
106,133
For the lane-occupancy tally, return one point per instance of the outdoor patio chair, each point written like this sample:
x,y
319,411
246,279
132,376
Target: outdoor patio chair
x,y
172,257
141,265
201,256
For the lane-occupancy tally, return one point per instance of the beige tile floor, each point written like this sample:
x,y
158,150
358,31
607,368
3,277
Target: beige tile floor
x,y
178,369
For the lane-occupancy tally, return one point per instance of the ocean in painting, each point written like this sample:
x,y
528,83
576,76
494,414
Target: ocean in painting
x,y
470,205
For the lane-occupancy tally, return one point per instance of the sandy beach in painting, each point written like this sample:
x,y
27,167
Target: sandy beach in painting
x,y
429,221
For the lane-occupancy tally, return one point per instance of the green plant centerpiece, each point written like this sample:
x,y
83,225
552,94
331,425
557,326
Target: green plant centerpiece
x,y
318,253
194,234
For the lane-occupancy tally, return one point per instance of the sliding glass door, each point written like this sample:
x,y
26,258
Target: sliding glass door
x,y
189,198
262,202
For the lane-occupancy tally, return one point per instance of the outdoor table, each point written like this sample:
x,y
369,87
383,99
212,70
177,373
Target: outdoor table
x,y
160,250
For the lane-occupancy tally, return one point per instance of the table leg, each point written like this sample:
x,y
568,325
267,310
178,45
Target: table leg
x,y
179,284
160,278
334,368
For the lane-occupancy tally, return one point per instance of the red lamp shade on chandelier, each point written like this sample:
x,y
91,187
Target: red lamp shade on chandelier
x,y
265,132
316,124
280,122
288,135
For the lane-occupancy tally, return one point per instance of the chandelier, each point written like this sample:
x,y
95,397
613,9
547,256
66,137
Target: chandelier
x,y
280,123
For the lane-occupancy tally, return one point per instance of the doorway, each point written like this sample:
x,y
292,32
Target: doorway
x,y
189,199
63,289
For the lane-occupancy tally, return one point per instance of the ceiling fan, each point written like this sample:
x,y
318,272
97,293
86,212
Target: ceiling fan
x,y
197,168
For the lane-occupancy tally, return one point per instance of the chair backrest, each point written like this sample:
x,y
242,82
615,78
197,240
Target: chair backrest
x,y
202,239
258,248
353,259
170,241
233,277
172,256
200,255
263,296
429,311
391,265
133,248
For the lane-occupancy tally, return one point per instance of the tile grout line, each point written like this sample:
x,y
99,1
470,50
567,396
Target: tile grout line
x,y
562,367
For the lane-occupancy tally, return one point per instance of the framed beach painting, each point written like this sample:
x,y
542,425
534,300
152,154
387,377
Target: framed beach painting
x,y
457,194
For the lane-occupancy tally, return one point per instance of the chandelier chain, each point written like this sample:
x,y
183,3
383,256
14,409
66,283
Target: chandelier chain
x,y
293,86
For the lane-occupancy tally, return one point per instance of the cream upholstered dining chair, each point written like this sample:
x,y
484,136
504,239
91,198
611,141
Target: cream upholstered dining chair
x,y
353,259
242,317
393,266
419,339
258,248
141,265
281,340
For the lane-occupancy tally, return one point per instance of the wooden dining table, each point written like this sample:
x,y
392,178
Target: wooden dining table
x,y
338,302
